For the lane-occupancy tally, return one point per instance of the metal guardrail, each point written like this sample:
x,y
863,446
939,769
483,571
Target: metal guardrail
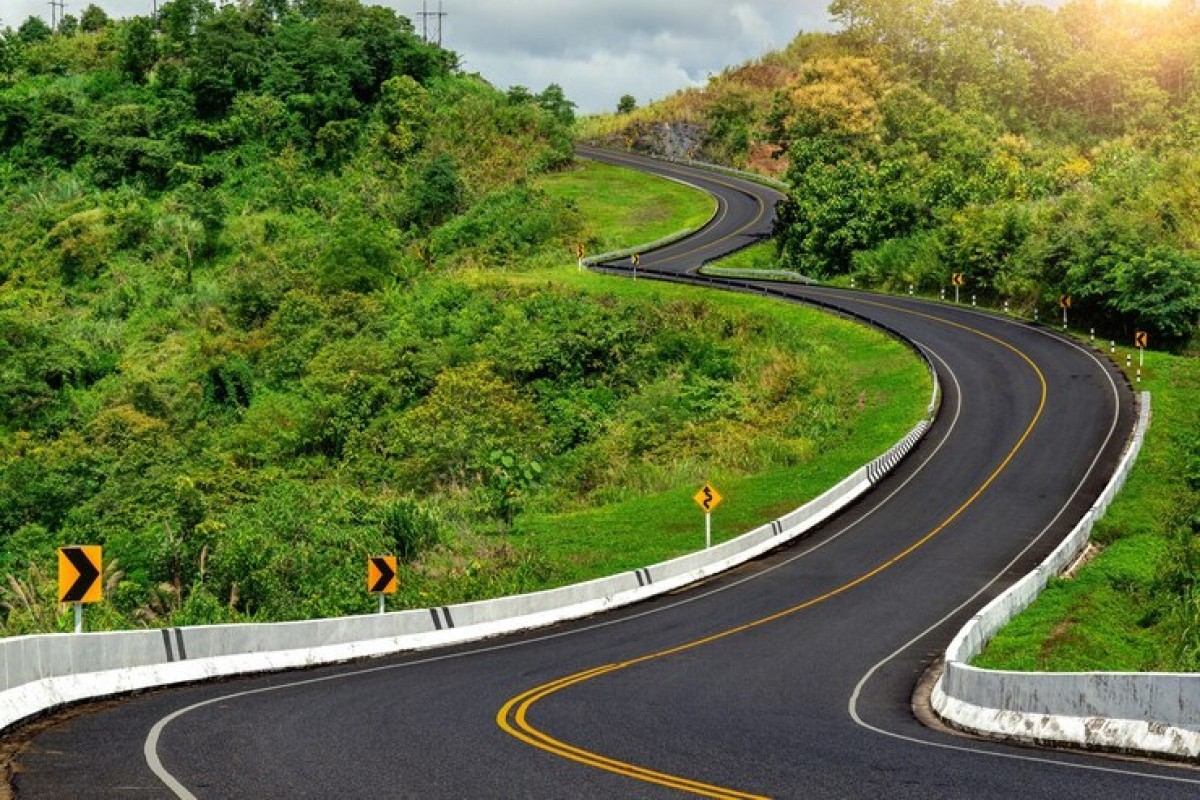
x,y
751,274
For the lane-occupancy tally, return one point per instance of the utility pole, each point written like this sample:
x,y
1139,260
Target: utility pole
x,y
57,12
425,14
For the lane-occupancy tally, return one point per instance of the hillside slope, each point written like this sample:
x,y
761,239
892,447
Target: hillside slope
x,y
278,292
1040,153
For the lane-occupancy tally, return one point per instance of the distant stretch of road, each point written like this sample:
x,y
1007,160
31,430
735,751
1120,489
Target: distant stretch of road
x,y
791,677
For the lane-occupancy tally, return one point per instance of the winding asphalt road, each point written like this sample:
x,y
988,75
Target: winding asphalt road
x,y
791,677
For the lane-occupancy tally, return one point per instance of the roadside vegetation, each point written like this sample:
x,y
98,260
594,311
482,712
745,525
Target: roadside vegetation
x,y
1136,605
281,288
1040,152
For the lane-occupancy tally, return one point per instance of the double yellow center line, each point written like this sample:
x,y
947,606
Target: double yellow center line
x,y
513,716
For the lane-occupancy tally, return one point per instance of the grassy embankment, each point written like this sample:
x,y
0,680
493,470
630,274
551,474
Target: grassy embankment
x,y
624,207
890,385
1135,606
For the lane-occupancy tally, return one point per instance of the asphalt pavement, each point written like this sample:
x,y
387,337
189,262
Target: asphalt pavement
x,y
792,676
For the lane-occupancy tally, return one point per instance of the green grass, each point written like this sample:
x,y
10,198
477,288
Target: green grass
x,y
756,261
759,256
890,385
623,207
892,389
1136,605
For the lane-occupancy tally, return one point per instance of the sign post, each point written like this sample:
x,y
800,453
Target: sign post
x,y
1140,340
79,569
707,498
381,577
958,279
635,259
1064,302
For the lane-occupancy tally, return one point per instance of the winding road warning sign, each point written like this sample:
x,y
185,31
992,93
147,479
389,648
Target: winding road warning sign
x,y
708,498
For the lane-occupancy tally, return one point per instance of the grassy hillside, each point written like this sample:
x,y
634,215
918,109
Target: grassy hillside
x,y
280,288
816,398
1040,152
621,207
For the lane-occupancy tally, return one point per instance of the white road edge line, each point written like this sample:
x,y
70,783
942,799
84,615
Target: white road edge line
x,y
150,746
852,706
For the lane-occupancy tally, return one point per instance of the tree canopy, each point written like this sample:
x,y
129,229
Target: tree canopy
x,y
1040,152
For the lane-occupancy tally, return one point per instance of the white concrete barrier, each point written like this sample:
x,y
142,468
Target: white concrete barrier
x,y
43,672
1148,713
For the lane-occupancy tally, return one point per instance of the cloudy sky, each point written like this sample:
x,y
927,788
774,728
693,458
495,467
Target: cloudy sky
x,y
597,50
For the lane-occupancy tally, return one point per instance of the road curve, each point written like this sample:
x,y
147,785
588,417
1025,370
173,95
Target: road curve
x,y
790,677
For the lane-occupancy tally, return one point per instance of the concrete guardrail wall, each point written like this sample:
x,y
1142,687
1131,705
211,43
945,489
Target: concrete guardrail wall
x,y
1157,713
44,672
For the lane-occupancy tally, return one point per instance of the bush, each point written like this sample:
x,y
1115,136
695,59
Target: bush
x,y
411,527
358,256
506,224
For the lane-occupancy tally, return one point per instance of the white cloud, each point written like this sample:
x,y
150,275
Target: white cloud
x,y
597,50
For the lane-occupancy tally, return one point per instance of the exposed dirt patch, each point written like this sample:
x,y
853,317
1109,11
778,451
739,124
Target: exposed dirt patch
x,y
1087,554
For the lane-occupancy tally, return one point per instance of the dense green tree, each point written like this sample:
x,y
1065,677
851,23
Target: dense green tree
x,y
93,19
322,75
8,54
405,112
626,104
554,100
438,192
34,30
68,25
225,57
138,50
179,20
519,95
391,48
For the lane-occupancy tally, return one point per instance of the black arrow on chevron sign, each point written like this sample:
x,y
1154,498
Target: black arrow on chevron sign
x,y
87,574
386,574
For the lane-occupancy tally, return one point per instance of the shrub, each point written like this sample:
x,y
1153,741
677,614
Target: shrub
x,y
411,527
